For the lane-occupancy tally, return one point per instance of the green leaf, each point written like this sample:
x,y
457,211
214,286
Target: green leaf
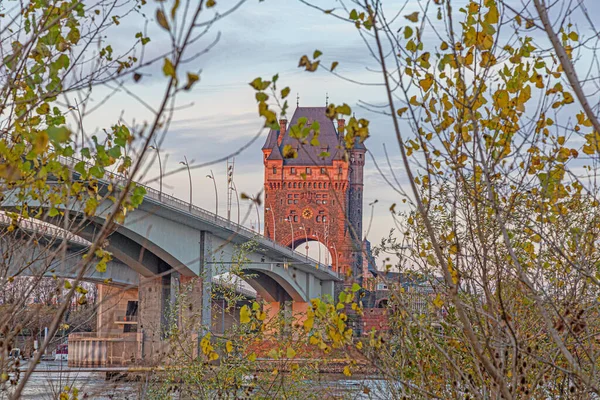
x,y
353,15
53,212
407,32
168,68
289,151
355,287
334,65
285,92
97,171
114,152
80,168
317,54
58,134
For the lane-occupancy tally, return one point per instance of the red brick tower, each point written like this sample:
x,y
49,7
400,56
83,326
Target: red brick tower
x,y
316,196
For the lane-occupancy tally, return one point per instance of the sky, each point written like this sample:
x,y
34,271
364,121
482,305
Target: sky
x,y
219,115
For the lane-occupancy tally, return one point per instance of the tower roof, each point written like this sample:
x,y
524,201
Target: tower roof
x,y
329,140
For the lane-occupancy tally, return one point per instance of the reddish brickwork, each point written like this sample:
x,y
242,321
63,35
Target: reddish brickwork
x,y
316,196
375,318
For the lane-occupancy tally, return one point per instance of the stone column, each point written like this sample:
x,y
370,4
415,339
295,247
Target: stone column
x,y
151,315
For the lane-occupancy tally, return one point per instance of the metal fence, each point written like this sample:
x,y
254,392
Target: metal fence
x,y
44,229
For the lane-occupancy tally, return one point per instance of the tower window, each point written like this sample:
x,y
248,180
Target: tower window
x,y
323,171
360,156
340,170
293,170
307,170
274,170
318,218
295,218
324,219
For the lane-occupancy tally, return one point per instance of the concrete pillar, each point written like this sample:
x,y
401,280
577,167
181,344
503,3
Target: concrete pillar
x,y
112,305
206,272
151,303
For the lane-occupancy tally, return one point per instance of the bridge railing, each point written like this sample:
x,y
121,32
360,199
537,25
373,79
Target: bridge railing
x,y
198,211
45,229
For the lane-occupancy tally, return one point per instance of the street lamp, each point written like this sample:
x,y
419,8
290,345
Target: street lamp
x,y
212,176
272,215
153,147
292,228
190,176
237,199
317,236
305,238
337,261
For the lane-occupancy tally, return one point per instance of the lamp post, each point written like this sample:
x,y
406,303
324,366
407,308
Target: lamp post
x,y
305,238
155,148
190,176
237,199
292,229
212,176
272,215
318,240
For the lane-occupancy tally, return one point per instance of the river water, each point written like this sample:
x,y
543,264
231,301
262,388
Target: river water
x,y
47,381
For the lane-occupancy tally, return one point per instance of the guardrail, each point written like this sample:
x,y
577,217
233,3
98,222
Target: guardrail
x,y
45,229
184,206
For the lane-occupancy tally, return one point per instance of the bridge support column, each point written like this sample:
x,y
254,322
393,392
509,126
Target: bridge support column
x,y
151,309
206,272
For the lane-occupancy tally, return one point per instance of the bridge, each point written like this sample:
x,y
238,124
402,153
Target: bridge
x,y
167,242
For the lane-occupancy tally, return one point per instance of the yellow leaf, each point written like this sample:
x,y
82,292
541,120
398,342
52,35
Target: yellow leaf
x,y
290,353
162,20
244,315
492,16
252,357
359,345
402,111
308,324
347,371
444,46
229,346
414,17
438,301
427,82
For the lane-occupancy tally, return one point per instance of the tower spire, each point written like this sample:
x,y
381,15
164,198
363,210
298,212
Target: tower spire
x,y
297,100
326,99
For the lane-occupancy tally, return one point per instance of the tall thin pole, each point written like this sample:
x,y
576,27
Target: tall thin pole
x,y
292,229
257,215
190,176
305,238
318,240
237,200
212,176
160,178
